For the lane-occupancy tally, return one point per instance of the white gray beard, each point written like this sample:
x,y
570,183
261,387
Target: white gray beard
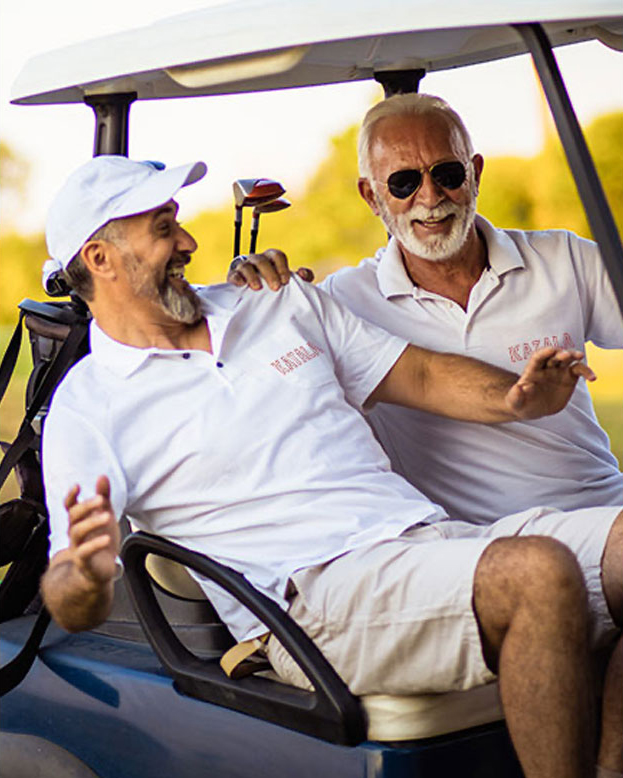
x,y
436,248
182,306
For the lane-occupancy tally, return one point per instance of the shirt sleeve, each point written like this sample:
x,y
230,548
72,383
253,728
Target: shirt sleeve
x,y
362,353
603,320
74,451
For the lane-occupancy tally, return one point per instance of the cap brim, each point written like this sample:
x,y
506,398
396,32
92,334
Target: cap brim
x,y
158,189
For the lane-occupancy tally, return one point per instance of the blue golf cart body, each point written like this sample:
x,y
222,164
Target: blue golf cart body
x,y
144,694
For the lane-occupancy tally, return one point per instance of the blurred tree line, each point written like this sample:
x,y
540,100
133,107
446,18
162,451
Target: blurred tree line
x,y
329,225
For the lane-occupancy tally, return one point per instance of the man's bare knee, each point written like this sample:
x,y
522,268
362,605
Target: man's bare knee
x,y
537,576
611,571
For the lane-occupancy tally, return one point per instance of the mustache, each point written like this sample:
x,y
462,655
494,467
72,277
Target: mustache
x,y
421,212
179,258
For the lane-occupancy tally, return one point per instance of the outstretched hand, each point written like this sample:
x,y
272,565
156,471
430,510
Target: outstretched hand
x,y
271,266
93,533
547,383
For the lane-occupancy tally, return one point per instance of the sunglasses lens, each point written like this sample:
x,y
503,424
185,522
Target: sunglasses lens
x,y
449,175
403,183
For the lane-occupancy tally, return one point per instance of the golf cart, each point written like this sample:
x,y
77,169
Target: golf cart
x,y
144,694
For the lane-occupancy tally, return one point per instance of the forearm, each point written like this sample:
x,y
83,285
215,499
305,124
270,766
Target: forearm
x,y
467,389
449,385
75,601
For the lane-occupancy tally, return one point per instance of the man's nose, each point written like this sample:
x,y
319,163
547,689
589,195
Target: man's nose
x,y
185,241
429,193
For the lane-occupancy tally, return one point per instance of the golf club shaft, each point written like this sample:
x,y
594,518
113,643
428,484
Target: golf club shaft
x,y
237,230
255,228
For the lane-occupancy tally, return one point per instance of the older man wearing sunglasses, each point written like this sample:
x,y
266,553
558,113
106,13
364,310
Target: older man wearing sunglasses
x,y
450,281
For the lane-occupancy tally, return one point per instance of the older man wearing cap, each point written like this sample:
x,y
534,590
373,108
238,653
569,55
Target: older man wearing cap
x,y
229,421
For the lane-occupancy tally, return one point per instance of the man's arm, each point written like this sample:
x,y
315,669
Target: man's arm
x,y
78,585
470,390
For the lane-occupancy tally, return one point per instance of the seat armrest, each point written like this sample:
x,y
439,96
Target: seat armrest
x,y
330,711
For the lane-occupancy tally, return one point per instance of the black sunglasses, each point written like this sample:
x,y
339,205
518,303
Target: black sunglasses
x,y
447,175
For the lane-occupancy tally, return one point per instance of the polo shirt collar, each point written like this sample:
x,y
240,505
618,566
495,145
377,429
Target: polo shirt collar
x,y
125,360
503,254
392,275
394,281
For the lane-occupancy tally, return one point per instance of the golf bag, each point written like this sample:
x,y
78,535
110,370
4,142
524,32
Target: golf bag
x,y
58,334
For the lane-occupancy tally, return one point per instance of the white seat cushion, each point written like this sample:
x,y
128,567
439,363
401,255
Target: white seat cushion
x,y
427,715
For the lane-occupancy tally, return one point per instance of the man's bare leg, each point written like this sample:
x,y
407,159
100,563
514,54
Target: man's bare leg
x,y
531,604
611,743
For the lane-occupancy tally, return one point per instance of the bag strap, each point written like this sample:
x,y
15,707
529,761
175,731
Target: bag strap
x,y
10,356
14,672
61,363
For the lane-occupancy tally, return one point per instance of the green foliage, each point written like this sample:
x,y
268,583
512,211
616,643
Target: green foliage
x,y
21,260
329,225
539,193
14,171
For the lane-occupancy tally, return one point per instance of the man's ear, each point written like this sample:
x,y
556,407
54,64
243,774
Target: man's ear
x,y
366,191
479,163
96,255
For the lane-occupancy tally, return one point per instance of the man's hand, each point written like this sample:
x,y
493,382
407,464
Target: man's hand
x,y
271,266
547,383
93,533
78,586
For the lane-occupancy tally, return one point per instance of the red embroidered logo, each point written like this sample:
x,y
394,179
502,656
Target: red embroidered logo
x,y
522,351
296,358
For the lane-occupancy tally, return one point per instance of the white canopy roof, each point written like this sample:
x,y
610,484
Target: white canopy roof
x,y
251,45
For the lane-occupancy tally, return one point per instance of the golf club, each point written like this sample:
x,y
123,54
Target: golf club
x,y
251,192
279,204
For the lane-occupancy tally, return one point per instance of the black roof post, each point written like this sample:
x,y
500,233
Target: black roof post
x,y
397,82
112,114
579,158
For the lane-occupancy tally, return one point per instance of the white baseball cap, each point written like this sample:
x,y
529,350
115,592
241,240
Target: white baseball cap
x,y
109,187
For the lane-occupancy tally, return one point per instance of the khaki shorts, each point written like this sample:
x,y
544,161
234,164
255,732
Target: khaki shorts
x,y
396,617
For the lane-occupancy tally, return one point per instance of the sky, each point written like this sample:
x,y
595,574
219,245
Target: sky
x,y
290,130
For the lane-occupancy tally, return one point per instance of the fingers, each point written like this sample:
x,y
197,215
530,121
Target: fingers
x,y
552,359
271,267
548,382
306,273
582,370
72,496
102,486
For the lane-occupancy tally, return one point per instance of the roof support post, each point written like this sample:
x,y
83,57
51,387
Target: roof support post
x,y
112,114
397,82
578,156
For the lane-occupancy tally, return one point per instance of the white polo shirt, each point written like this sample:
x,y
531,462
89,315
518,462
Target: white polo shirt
x,y
542,288
256,455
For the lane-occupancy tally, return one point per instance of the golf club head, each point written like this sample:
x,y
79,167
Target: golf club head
x,y
280,204
255,191
272,206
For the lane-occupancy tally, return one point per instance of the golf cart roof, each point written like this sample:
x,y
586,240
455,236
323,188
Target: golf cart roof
x,y
254,45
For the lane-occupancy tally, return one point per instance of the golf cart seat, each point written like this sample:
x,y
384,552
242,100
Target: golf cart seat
x,y
387,718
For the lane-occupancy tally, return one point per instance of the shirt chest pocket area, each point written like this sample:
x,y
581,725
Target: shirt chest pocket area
x,y
291,358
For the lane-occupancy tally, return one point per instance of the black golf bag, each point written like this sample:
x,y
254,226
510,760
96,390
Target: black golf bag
x,y
58,333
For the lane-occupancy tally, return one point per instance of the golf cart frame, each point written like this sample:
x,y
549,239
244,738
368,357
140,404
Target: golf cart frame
x,y
102,699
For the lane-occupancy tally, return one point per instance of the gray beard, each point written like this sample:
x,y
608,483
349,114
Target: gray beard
x,y
437,248
183,306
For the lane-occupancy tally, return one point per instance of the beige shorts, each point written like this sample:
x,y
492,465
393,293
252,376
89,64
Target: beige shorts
x,y
396,617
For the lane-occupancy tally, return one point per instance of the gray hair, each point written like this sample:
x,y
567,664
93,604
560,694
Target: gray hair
x,y
77,274
411,104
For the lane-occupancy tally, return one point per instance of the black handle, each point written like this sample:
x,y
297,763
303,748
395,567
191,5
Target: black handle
x,y
330,711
